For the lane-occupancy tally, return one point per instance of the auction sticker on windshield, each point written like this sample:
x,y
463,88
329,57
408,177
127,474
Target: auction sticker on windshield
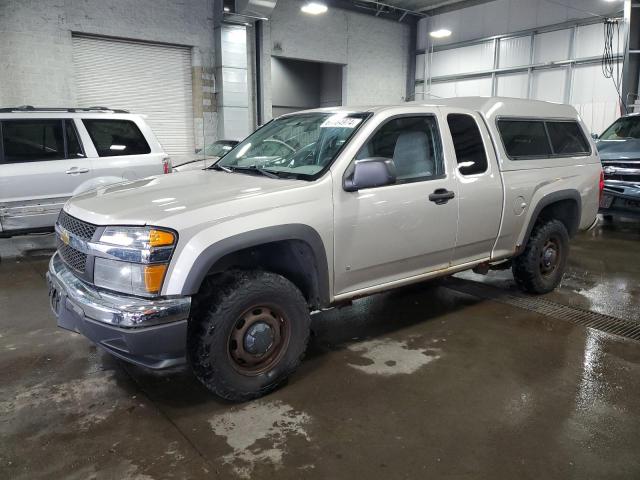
x,y
341,122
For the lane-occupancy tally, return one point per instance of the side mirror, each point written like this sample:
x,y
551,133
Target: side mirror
x,y
594,136
371,172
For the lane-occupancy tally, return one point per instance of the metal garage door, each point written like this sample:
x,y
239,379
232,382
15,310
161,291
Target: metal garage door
x,y
154,80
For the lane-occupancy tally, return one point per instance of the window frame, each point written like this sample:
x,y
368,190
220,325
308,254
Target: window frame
x,y
60,120
440,150
74,128
487,168
128,120
544,121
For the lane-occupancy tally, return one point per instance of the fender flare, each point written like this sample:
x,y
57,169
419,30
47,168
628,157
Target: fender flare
x,y
253,238
549,199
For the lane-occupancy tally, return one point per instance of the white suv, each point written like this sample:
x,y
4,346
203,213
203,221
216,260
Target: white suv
x,y
48,155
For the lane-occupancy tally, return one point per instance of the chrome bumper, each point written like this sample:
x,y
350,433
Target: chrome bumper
x,y
147,332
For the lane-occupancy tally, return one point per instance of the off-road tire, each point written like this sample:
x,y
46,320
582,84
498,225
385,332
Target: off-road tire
x,y
216,312
527,268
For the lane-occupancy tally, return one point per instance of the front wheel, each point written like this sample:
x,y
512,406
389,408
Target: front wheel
x,y
539,269
248,333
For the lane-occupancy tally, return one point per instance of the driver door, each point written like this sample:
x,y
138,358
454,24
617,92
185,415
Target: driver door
x,y
385,235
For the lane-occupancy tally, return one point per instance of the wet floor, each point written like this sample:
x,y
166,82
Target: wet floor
x,y
421,382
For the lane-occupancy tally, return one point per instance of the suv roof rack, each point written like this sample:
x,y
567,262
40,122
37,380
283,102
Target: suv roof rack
x,y
31,108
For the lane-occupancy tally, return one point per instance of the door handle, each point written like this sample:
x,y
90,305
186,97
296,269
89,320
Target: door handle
x,y
75,170
441,196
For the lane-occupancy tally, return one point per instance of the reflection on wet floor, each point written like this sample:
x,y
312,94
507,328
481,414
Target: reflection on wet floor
x,y
603,273
419,382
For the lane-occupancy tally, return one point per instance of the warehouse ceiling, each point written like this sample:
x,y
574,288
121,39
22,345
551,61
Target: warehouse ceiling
x,y
428,6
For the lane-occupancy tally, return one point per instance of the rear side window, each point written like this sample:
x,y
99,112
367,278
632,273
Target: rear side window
x,y
32,140
116,137
567,138
467,141
524,138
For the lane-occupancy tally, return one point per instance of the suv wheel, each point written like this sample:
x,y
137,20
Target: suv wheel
x,y
540,267
248,333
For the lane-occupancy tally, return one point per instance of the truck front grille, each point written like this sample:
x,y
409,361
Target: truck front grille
x,y
623,178
72,257
79,228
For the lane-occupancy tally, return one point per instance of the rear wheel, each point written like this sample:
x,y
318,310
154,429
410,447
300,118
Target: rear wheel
x,y
248,333
541,266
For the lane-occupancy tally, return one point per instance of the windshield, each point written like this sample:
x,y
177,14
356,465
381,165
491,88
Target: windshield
x,y
218,149
296,146
622,129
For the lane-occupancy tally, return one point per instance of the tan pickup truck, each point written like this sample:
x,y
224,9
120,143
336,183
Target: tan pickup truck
x,y
222,267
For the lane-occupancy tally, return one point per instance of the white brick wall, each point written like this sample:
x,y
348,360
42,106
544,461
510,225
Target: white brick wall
x,y
375,50
36,58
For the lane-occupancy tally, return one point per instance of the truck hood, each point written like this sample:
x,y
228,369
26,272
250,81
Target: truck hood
x,y
159,200
628,149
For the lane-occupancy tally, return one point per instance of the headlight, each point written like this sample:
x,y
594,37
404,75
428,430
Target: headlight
x,y
126,277
135,259
137,237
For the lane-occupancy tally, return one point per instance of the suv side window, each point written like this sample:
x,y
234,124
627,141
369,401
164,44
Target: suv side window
x,y
467,141
116,137
413,143
32,140
74,148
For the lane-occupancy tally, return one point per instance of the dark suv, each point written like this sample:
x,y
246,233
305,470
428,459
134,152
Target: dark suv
x,y
619,148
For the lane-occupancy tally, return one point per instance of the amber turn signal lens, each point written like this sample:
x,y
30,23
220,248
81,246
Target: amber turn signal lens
x,y
160,238
153,277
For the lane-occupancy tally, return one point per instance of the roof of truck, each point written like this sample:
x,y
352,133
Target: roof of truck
x,y
487,106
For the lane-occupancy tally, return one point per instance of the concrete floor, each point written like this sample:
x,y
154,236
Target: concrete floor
x,y
421,382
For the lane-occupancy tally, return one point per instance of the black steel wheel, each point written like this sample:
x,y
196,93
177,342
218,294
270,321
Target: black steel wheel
x,y
248,333
539,269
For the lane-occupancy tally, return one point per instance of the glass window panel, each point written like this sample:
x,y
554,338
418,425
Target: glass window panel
x,y
567,138
467,141
552,46
116,137
515,52
414,145
524,138
473,58
515,85
32,140
549,84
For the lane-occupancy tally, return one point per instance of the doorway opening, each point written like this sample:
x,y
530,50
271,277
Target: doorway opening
x,y
301,85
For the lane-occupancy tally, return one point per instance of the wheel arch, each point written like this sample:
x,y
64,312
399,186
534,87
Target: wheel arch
x,y
295,251
563,205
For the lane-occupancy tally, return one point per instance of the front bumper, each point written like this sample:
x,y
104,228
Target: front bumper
x,y
621,199
147,332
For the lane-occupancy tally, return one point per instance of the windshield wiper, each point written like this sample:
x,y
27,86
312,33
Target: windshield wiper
x,y
254,168
215,166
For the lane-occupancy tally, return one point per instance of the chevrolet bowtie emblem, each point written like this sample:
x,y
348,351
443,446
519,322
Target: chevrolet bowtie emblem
x,y
64,236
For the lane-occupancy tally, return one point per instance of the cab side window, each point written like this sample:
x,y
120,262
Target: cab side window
x,y
32,140
413,143
467,141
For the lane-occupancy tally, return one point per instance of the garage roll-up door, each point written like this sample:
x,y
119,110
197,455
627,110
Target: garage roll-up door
x,y
150,79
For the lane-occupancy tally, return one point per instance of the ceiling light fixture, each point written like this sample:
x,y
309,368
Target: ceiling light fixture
x,y
314,8
442,33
